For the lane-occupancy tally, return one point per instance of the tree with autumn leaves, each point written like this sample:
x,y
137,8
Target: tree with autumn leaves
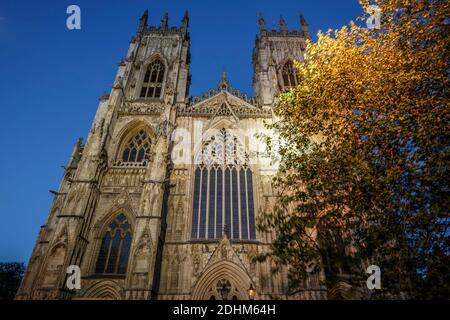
x,y
364,171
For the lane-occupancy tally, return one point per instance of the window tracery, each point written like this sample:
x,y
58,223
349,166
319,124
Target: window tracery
x,y
153,80
136,152
223,191
115,247
289,75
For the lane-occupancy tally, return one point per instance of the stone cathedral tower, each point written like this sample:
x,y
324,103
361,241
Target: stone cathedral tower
x,y
161,201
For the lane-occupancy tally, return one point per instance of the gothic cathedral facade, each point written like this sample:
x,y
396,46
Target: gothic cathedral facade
x,y
163,198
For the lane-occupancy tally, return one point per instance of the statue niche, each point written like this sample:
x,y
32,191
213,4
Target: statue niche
x,y
54,266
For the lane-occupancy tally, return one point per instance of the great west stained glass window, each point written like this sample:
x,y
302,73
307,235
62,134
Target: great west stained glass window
x,y
223,190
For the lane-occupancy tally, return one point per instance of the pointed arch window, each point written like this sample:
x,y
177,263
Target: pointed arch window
x,y
136,152
115,247
223,191
289,75
153,79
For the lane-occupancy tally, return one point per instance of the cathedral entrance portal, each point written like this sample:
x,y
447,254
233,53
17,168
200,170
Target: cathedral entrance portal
x,y
224,280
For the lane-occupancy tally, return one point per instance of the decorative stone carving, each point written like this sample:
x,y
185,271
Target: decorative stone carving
x,y
143,253
224,103
55,262
123,199
188,269
140,107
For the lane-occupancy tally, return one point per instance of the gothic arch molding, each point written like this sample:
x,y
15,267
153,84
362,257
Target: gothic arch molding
x,y
103,223
104,290
154,56
145,239
142,251
128,131
280,67
53,266
218,271
213,130
101,226
219,123
283,62
145,64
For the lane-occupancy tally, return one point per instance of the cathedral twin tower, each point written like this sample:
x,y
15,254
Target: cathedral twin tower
x,y
162,200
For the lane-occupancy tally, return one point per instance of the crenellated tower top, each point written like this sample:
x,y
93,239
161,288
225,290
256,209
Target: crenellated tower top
x,y
156,68
164,27
273,56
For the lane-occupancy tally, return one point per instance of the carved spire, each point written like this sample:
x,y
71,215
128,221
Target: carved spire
x,y
304,27
223,84
303,21
143,22
165,22
261,23
76,153
185,20
282,25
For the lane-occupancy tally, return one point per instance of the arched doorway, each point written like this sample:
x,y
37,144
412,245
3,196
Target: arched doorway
x,y
223,280
103,290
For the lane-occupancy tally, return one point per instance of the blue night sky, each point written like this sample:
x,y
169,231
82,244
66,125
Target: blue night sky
x,y
51,79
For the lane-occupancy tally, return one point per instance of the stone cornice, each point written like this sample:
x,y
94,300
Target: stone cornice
x,y
141,106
